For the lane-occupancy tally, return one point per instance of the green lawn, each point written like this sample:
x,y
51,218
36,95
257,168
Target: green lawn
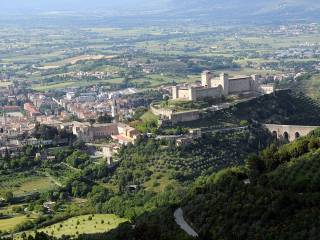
x,y
43,88
13,219
183,105
55,86
82,224
74,60
23,185
8,224
159,182
149,116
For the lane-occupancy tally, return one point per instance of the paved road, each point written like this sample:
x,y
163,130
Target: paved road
x,y
178,216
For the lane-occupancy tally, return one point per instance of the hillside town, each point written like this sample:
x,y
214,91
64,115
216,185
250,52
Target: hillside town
x,y
72,115
159,120
99,114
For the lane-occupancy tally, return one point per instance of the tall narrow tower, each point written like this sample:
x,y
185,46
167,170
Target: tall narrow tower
x,y
114,108
175,92
224,80
206,77
4,121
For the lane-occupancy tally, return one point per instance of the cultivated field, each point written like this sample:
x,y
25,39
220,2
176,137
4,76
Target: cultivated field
x,y
75,60
11,219
97,223
9,224
67,84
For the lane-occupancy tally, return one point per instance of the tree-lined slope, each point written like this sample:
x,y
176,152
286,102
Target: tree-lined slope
x,y
281,202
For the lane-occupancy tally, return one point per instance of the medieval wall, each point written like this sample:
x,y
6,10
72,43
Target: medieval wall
x,y
201,93
176,117
240,85
183,94
161,111
185,116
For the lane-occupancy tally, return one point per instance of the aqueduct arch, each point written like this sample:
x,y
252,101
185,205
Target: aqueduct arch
x,y
290,132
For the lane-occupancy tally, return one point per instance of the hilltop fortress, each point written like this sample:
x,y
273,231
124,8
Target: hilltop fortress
x,y
211,87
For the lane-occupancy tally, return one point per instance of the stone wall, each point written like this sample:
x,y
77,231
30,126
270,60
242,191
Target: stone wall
x,y
176,117
183,94
240,85
185,116
265,88
201,93
161,111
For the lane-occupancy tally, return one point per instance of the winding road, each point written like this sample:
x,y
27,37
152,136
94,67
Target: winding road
x,y
178,216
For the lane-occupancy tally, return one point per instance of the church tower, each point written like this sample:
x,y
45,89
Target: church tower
x,y
114,108
4,122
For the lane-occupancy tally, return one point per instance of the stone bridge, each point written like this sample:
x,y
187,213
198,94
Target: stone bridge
x,y
289,132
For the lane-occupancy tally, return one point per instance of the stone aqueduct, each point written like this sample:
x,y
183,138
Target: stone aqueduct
x,y
289,132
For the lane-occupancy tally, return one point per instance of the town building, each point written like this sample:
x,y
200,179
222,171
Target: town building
x,y
109,151
119,132
88,132
31,110
126,134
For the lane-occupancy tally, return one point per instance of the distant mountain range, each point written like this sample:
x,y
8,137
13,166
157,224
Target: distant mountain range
x,y
205,10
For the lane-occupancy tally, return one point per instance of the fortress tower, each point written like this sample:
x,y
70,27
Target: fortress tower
x,y
175,92
206,77
224,82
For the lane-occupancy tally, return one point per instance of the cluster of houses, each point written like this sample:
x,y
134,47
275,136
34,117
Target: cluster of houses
x,y
89,105
18,119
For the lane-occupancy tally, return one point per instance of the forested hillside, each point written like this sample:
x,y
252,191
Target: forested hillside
x,y
281,202
283,107
274,196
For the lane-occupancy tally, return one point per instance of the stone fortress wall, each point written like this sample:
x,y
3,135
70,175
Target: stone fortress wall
x,y
201,93
187,116
240,85
161,111
210,87
221,86
175,117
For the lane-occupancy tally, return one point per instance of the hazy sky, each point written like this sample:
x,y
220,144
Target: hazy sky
x,y
74,5
207,9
